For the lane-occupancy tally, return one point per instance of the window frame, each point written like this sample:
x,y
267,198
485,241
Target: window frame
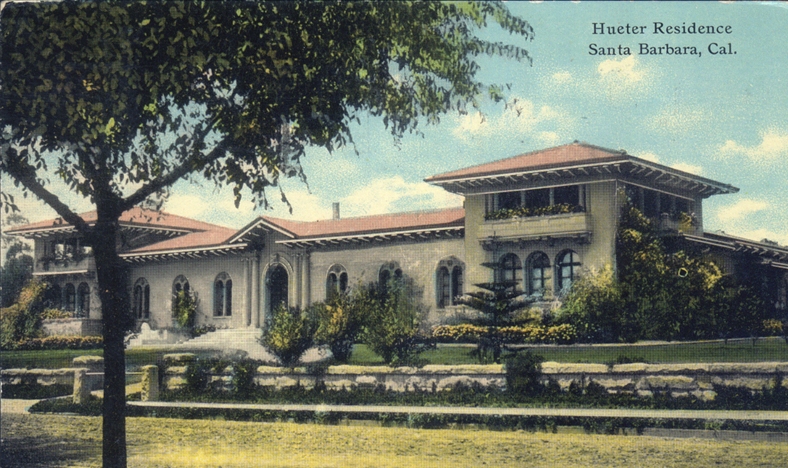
x,y
222,295
543,277
574,264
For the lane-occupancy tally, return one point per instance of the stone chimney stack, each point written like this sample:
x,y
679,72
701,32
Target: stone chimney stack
x,y
335,207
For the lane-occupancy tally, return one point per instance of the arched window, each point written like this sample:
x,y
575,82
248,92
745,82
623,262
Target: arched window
x,y
83,300
54,297
336,281
538,273
510,270
567,267
180,284
388,272
223,295
448,282
141,299
70,296
277,282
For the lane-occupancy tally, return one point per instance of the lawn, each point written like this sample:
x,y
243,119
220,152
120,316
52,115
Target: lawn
x,y
48,440
765,349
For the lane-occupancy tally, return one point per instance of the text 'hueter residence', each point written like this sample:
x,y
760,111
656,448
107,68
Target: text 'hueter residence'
x,y
659,38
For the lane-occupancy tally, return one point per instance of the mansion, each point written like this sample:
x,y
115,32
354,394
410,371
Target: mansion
x,y
542,218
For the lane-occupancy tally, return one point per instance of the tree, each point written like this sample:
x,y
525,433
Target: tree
x,y
497,301
121,100
17,268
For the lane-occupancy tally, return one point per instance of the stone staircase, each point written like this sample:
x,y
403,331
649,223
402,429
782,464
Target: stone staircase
x,y
228,340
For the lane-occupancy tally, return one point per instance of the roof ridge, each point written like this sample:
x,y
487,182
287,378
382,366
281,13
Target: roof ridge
x,y
529,153
403,213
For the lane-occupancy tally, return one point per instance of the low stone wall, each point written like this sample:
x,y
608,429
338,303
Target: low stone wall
x,y
71,327
676,379
37,376
639,379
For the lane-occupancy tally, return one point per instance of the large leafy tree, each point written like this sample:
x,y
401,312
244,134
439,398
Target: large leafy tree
x,y
122,100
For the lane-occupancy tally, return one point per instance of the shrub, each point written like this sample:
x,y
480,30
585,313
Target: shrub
x,y
561,334
594,307
391,328
772,327
524,374
290,335
23,320
55,314
197,376
243,378
339,321
60,342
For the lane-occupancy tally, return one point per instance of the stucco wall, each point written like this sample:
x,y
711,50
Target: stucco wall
x,y
201,274
418,260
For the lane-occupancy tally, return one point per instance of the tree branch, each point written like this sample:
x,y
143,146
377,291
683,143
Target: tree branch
x,y
186,167
25,174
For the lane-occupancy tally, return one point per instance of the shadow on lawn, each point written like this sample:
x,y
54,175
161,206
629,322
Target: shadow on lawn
x,y
25,442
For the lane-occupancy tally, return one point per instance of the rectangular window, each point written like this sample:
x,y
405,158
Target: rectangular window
x,y
508,200
569,195
538,198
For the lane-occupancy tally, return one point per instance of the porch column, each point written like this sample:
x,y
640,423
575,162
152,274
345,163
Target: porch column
x,y
247,293
297,280
255,303
305,277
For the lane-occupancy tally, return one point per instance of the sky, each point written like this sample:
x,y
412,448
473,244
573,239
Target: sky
x,y
721,116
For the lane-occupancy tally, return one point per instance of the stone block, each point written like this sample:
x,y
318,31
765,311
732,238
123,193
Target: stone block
x,y
150,383
552,367
81,387
92,363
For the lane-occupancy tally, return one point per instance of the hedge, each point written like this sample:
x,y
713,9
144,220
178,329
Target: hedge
x,y
59,342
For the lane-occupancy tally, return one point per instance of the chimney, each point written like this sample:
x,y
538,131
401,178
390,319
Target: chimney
x,y
335,207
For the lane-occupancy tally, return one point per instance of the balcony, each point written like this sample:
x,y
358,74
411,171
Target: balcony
x,y
59,266
569,225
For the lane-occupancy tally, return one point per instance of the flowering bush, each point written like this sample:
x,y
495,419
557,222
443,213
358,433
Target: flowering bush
x,y
559,334
525,212
54,314
60,342
772,327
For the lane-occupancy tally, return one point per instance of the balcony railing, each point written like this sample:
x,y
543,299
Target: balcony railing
x,y
65,265
554,226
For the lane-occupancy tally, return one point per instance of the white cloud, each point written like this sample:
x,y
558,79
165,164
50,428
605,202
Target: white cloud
x,y
773,145
521,117
191,206
394,194
562,77
741,209
626,71
691,168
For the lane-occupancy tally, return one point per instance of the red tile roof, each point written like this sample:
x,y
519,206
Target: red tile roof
x,y
560,156
134,217
194,240
451,217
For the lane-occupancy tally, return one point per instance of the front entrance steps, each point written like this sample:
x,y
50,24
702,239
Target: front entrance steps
x,y
228,340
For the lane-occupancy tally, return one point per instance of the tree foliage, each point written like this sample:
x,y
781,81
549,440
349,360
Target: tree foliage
x,y
22,320
290,334
497,302
17,266
340,320
659,294
392,323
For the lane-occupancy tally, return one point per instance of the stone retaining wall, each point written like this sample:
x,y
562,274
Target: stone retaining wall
x,y
71,327
639,379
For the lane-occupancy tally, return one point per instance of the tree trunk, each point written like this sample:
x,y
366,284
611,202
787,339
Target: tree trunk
x,y
116,320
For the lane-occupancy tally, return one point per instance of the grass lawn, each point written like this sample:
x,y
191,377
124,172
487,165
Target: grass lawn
x,y
60,358
53,440
765,349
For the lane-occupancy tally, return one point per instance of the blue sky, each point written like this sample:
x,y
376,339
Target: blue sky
x,y
724,117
